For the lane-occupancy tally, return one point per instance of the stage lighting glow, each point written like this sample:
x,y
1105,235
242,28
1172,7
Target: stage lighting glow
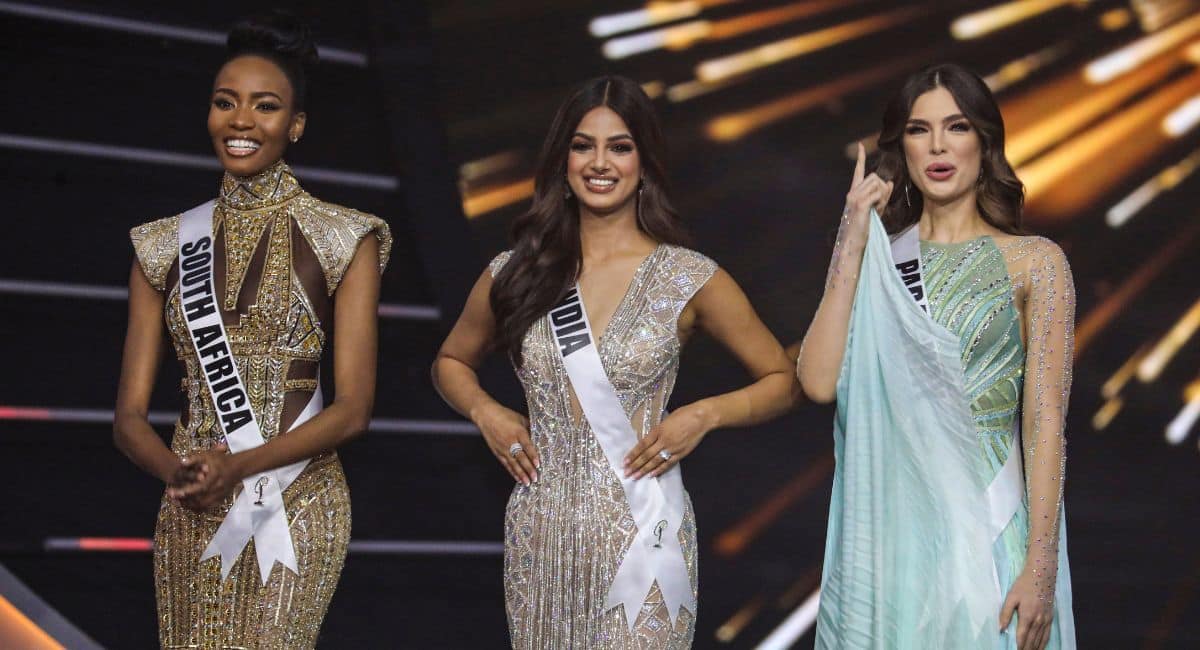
x,y
732,126
1178,428
1162,182
982,23
18,629
729,630
1056,125
1115,19
485,201
674,38
1105,415
683,36
1182,119
1152,366
797,46
1117,302
1057,182
1113,385
794,626
656,13
1119,62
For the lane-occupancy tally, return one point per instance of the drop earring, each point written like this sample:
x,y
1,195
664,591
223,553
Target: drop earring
x,y
907,198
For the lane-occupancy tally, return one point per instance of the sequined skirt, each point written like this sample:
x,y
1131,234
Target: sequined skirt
x,y
196,609
564,539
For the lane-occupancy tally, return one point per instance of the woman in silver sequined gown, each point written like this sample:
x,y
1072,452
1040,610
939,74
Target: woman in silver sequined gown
x,y
600,217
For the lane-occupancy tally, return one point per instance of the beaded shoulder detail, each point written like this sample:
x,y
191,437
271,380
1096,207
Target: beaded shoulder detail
x,y
498,262
156,245
335,231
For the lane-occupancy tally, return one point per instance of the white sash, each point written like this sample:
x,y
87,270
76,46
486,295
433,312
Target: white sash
x,y
1005,491
258,510
657,503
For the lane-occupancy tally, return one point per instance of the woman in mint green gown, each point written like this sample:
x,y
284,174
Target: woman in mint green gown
x,y
945,334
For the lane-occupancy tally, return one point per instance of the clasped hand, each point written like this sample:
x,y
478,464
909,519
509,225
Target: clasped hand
x,y
203,479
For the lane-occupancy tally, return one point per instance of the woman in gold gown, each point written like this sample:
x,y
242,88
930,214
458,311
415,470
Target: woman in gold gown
x,y
289,269
601,221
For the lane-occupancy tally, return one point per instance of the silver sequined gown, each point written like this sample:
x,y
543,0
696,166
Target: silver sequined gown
x,y
565,535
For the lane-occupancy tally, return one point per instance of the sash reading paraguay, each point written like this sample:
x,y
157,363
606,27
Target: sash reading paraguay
x,y
258,511
657,503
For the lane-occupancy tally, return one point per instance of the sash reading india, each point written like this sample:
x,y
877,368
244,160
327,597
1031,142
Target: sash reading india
x,y
657,503
258,511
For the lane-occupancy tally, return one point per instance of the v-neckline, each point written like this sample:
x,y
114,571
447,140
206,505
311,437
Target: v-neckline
x,y
633,281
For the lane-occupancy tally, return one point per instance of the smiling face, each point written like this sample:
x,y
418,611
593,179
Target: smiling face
x,y
942,148
251,117
603,167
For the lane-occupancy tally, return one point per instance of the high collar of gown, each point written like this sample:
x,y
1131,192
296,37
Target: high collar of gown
x,y
268,188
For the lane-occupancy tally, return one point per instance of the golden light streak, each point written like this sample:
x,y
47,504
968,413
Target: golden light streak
x,y
1182,119
1115,64
732,126
472,171
1115,19
1105,415
654,89
1163,181
485,201
797,46
1123,142
982,23
1115,304
1055,125
735,540
656,13
1152,366
682,92
1112,387
729,630
811,579
685,35
1192,391
1014,71
16,629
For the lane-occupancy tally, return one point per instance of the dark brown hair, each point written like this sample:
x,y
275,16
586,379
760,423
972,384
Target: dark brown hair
x,y
1000,195
546,254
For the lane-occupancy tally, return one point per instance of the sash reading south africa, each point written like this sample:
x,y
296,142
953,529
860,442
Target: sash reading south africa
x,y
657,504
258,511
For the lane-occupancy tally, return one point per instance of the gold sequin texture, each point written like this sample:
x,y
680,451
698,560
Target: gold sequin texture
x,y
257,217
566,534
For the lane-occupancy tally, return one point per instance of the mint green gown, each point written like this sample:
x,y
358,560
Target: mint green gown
x,y
930,407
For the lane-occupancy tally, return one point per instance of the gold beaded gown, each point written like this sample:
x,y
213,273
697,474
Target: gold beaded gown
x,y
565,535
279,257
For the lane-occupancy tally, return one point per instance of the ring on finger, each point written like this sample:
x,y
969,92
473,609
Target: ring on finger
x,y
515,448
665,455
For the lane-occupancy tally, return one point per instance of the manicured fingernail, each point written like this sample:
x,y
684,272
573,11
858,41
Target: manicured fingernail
x,y
535,477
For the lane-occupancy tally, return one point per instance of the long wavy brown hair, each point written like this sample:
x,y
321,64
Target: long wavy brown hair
x,y
999,194
546,253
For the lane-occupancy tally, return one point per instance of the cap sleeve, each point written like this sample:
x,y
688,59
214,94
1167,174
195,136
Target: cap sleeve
x,y
334,232
156,245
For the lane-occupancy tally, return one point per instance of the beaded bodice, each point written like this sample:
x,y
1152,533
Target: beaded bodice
x,y
280,256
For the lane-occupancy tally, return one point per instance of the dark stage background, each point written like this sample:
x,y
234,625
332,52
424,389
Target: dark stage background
x,y
430,116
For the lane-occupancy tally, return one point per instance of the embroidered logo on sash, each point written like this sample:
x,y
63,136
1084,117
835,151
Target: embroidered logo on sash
x,y
659,529
259,486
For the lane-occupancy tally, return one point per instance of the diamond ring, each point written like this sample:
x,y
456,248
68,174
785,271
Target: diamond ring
x,y
665,455
515,449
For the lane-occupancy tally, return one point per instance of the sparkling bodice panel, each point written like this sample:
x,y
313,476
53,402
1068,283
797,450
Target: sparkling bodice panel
x,y
261,223
566,534
970,294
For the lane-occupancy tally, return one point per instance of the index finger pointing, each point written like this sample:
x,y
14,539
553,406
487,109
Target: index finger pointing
x,y
860,166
